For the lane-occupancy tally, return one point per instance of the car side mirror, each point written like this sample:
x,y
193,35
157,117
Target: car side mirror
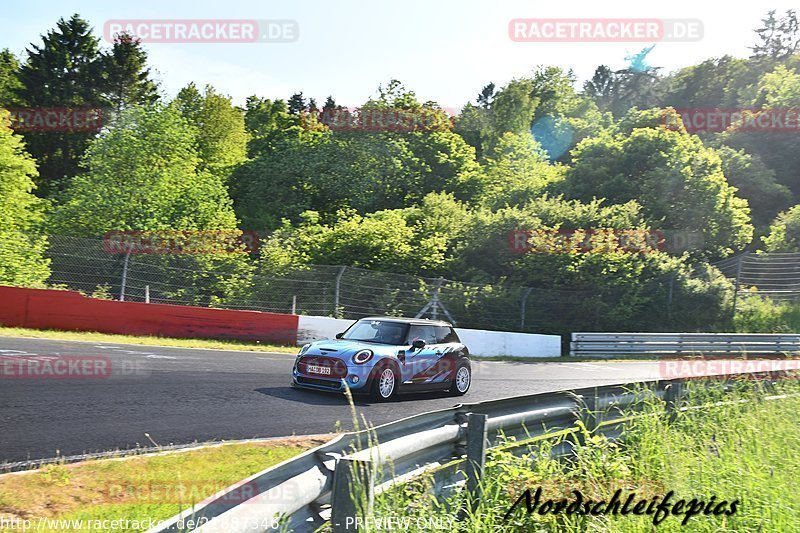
x,y
339,335
418,344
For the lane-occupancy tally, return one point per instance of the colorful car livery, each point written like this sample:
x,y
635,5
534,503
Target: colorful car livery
x,y
386,355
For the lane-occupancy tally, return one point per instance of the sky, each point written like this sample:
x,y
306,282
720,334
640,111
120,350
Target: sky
x,y
444,50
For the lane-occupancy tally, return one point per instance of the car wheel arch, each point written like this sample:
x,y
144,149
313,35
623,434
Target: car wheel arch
x,y
383,363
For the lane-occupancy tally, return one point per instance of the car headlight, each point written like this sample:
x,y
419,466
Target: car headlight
x,y
362,356
304,349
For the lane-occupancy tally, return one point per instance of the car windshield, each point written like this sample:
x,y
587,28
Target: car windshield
x,y
379,331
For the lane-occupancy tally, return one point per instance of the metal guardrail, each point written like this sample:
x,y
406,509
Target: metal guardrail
x,y
609,344
448,444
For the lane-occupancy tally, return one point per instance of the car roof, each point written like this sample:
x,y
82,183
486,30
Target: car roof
x,y
403,320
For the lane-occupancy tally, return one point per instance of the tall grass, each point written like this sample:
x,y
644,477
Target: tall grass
x,y
755,314
743,448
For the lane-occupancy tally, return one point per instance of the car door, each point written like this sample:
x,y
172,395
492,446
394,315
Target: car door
x,y
450,348
420,365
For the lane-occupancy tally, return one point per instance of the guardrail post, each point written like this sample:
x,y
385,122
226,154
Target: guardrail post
x,y
476,453
353,494
672,397
476,460
590,418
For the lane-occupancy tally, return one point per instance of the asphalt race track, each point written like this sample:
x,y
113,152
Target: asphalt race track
x,y
181,395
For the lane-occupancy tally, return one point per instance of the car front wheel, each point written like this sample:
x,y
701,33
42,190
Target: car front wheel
x,y
384,386
462,380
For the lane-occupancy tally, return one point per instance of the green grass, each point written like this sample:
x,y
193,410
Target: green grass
x,y
742,451
139,488
92,336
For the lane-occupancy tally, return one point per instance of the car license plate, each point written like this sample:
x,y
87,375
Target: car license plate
x,y
316,369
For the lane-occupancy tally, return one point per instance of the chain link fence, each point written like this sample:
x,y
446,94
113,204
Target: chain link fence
x,y
776,275
232,281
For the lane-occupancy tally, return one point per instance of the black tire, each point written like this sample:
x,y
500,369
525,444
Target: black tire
x,y
462,379
385,383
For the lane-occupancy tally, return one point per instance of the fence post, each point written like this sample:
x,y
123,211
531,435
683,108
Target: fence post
x,y
124,276
434,303
738,282
589,416
670,293
353,494
522,308
336,289
476,453
476,461
672,397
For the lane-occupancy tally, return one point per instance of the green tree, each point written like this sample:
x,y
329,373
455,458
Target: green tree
x,y
486,95
636,89
325,174
777,90
9,79
300,164
678,181
22,260
269,125
544,105
707,85
297,104
513,108
602,87
517,171
142,173
221,135
755,182
383,240
63,71
125,74
784,234
778,38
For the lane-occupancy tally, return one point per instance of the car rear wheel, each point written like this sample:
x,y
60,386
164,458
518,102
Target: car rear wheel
x,y
462,380
384,385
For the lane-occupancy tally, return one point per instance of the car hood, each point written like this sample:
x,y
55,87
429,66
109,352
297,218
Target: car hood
x,y
344,348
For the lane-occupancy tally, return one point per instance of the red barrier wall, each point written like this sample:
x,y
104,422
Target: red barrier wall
x,y
68,310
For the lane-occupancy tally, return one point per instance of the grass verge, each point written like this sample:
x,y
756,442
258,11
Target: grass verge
x,y
135,489
92,336
740,450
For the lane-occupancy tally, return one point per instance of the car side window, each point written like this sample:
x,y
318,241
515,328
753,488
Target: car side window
x,y
426,333
445,334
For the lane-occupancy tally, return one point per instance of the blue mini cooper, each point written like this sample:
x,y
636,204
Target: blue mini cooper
x,y
384,355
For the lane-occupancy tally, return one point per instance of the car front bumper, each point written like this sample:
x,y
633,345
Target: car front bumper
x,y
357,380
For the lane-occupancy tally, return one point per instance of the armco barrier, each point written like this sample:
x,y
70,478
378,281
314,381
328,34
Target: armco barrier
x,y
68,310
721,344
305,492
